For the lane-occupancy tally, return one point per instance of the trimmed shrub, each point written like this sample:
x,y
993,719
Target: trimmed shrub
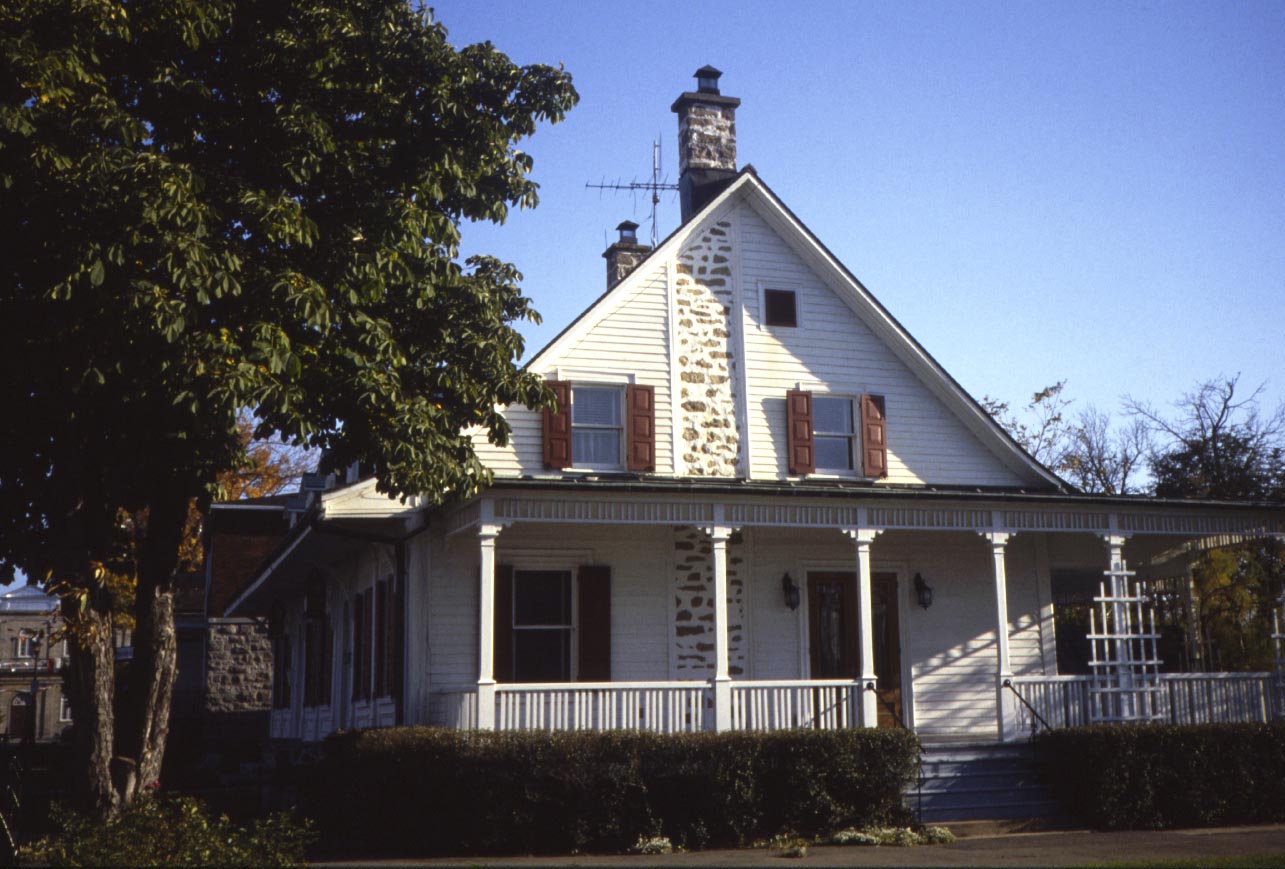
x,y
169,830
1163,775
423,791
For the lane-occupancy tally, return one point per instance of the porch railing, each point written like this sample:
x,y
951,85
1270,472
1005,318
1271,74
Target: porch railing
x,y
662,707
823,704
1185,698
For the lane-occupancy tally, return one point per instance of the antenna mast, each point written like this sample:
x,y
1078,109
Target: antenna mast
x,y
654,186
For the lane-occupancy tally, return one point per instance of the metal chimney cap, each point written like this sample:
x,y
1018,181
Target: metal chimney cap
x,y
707,79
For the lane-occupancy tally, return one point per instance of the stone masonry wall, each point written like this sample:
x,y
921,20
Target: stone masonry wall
x,y
238,669
707,137
706,368
694,605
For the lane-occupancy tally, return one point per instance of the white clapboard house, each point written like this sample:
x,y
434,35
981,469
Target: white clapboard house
x,y
760,504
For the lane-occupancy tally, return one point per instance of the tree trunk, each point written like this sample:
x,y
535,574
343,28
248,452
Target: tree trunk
x,y
92,683
155,662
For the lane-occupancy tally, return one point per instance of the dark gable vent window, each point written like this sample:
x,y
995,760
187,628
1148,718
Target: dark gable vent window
x,y
779,308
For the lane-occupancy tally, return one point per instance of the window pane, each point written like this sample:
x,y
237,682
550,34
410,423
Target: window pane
x,y
833,453
832,415
541,597
542,655
592,406
595,446
779,308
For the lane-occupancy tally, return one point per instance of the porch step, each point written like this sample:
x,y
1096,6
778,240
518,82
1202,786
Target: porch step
x,y
980,781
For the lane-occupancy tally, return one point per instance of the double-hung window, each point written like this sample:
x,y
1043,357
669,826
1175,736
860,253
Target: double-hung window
x,y
542,626
597,427
833,432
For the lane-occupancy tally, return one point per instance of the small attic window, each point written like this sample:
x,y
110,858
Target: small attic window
x,y
779,308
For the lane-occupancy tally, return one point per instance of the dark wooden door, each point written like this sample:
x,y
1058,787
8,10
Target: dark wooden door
x,y
887,646
833,625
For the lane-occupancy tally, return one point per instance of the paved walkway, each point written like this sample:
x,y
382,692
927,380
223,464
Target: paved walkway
x,y
1066,848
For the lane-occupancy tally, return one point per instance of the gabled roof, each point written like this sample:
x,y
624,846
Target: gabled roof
x,y
748,187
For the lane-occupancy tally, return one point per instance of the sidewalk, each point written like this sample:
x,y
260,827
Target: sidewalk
x,y
1067,848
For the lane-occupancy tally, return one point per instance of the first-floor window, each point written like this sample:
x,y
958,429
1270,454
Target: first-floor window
x,y
280,656
64,709
542,626
833,433
317,648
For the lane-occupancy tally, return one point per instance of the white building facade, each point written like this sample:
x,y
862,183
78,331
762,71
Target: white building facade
x,y
760,504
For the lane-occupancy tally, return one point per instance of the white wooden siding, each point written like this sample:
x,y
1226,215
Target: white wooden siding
x,y
641,561
833,349
632,340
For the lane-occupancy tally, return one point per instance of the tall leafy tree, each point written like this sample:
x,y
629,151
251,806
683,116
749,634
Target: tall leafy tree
x,y
213,205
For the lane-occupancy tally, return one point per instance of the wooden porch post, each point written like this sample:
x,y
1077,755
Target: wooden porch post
x,y
486,535
718,535
869,705
1005,709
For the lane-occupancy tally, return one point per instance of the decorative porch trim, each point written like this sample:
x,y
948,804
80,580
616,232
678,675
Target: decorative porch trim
x,y
681,508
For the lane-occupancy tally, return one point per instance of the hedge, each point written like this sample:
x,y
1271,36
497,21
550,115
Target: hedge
x,y
425,791
1163,775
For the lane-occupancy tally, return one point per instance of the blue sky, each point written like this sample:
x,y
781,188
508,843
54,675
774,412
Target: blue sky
x,y
1088,191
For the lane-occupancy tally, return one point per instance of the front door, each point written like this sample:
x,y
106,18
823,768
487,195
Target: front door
x,y
834,631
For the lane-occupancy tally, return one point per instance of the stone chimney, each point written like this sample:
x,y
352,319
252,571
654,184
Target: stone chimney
x,y
706,141
625,254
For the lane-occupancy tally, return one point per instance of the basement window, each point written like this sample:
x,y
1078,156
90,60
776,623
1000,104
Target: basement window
x,y
780,308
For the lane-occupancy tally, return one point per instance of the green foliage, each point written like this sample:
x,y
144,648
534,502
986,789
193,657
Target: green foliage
x,y
1160,776
165,830
212,205
422,791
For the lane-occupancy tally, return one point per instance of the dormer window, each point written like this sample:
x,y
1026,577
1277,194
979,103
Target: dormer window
x,y
597,428
780,308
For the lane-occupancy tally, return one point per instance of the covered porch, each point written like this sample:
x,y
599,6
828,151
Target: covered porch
x,y
979,662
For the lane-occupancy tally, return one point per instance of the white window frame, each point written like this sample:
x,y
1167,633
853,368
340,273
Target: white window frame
x,y
762,303
854,437
573,665
619,391
64,709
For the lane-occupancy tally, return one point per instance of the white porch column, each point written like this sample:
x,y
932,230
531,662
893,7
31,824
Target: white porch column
x,y
1006,711
719,535
863,537
486,535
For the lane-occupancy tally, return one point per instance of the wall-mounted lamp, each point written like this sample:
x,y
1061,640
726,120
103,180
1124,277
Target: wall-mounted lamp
x,y
923,591
791,592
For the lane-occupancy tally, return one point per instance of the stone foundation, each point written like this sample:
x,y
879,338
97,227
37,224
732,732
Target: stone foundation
x,y
238,669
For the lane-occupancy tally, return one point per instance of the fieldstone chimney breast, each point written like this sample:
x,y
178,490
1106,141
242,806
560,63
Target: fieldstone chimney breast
x,y
706,141
625,254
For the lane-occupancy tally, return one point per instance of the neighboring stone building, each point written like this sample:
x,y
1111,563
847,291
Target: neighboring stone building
x,y
32,656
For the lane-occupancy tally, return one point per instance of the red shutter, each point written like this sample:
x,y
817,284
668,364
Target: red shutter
x,y
557,427
798,428
641,401
358,644
874,436
595,624
502,642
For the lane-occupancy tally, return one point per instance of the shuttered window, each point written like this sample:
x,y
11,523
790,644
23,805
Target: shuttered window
x,y
821,434
832,433
540,636
601,427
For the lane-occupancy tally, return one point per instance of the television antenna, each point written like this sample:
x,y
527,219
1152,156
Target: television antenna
x,y
653,187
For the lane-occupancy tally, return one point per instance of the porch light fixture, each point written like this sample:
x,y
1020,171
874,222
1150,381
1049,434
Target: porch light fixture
x,y
791,592
923,591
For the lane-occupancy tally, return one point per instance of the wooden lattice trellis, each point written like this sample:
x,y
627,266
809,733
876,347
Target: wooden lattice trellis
x,y
1278,642
1125,665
